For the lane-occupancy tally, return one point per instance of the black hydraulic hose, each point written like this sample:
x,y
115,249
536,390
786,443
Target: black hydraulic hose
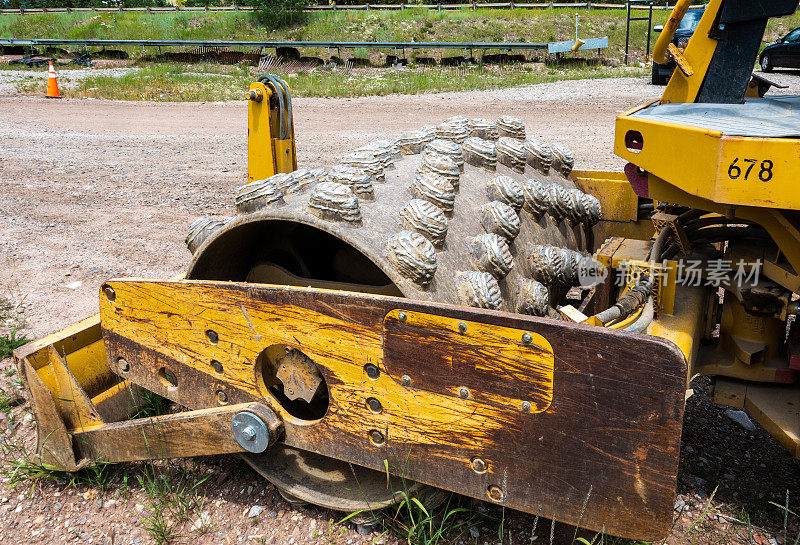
x,y
691,214
278,91
658,246
714,220
629,301
288,120
718,234
670,252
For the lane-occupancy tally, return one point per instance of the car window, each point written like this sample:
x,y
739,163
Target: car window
x,y
793,36
691,19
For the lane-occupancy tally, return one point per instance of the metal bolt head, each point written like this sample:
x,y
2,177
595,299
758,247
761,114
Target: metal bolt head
x,y
250,432
255,95
217,366
212,336
222,396
406,380
462,327
495,493
372,371
479,465
374,405
402,316
527,338
123,365
376,437
111,295
526,406
463,393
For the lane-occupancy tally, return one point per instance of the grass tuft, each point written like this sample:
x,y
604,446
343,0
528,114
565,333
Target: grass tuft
x,y
19,468
11,324
173,496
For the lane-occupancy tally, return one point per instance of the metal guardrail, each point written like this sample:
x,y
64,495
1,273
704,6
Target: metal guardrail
x,y
592,43
334,7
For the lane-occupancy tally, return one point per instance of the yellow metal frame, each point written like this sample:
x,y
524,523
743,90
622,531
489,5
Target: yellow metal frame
x,y
706,164
696,57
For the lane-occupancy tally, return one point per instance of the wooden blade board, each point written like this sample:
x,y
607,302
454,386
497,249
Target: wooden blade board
x,y
603,421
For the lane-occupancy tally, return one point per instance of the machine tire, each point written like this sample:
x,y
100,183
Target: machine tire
x,y
766,64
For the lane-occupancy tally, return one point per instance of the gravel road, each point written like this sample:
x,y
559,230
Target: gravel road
x,y
95,189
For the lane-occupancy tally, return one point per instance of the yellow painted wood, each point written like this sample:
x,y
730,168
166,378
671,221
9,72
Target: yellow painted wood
x,y
505,356
164,318
194,433
74,405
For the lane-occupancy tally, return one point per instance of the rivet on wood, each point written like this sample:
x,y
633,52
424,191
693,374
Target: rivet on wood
x,y
463,393
123,364
495,493
406,380
212,336
462,327
217,366
402,316
376,437
479,465
527,338
372,371
111,295
222,396
374,405
526,406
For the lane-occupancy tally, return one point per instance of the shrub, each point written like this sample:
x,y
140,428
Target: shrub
x,y
275,14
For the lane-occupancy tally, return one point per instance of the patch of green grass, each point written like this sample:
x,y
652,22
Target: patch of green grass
x,y
149,404
417,525
11,324
375,25
208,82
173,496
22,469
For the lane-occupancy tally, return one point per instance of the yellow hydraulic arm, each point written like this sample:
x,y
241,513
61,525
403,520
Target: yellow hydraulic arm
x,y
270,129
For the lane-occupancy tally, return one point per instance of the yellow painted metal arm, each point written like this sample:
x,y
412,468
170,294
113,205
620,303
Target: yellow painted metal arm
x,y
270,129
675,18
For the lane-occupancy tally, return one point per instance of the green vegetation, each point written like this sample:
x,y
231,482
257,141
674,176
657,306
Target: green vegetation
x,y
202,81
211,82
11,324
279,13
173,497
408,25
19,468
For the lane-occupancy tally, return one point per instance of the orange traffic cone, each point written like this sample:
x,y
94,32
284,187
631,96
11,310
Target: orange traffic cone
x,y
52,83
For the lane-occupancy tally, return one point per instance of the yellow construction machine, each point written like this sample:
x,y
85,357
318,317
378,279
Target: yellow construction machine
x,y
460,309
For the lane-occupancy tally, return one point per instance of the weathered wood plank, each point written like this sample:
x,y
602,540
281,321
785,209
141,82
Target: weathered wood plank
x,y
612,425
195,433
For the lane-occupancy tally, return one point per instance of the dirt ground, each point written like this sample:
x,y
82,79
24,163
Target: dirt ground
x,y
98,189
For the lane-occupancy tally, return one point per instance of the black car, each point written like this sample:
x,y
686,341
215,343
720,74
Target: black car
x,y
785,53
662,72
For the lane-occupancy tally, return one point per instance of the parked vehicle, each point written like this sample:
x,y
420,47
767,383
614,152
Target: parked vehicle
x,y
662,72
785,53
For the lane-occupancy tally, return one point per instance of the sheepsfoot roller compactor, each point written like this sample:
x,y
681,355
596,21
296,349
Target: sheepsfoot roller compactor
x,y
459,309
